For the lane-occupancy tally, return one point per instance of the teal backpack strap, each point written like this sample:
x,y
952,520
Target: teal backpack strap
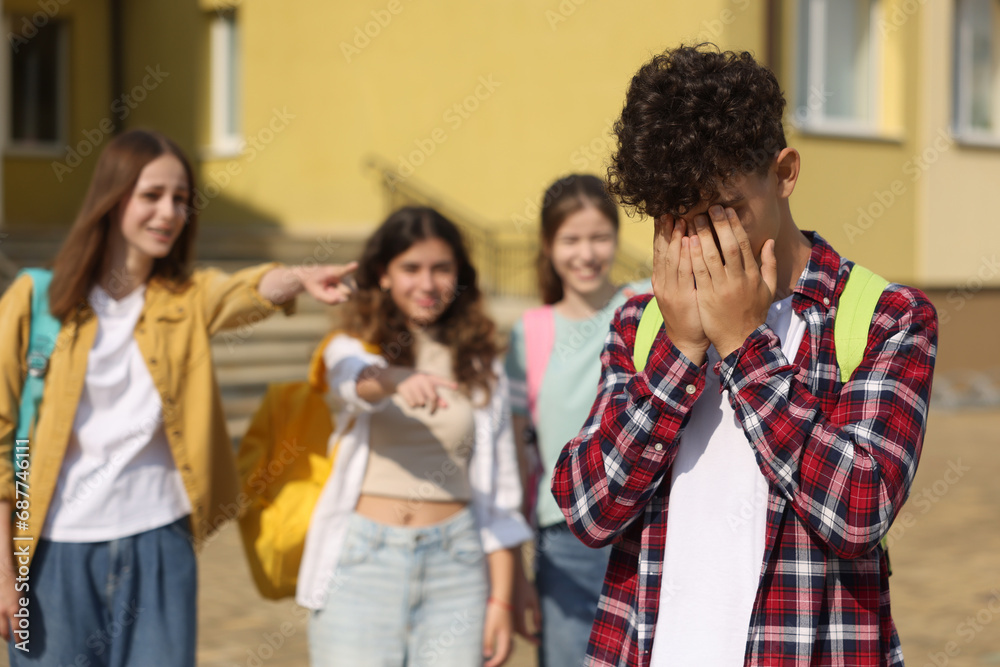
x,y
854,316
44,331
649,326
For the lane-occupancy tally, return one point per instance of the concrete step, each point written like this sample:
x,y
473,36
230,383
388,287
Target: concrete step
x,y
242,406
505,311
258,353
217,245
260,375
308,326
236,427
239,403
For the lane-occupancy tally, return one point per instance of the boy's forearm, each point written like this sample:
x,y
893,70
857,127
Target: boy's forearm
x,y
842,468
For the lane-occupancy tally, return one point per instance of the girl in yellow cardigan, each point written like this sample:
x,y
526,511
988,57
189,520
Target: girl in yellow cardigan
x,y
130,463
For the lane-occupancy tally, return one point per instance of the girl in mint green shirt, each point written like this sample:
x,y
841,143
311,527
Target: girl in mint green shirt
x,y
552,399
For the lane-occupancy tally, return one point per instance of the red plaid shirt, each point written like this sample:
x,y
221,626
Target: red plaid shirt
x,y
839,460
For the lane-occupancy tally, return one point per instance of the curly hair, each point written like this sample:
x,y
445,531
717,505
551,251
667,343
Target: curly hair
x,y
464,326
563,198
694,117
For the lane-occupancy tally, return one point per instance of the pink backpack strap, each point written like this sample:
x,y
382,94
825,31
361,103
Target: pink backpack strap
x,y
539,339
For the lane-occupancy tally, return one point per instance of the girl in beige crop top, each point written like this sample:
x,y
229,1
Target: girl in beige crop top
x,y
417,455
417,300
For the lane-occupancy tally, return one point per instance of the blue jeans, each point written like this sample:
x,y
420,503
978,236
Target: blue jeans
x,y
404,596
130,601
569,576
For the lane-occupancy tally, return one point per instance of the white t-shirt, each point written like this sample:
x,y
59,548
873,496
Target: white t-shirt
x,y
118,477
716,527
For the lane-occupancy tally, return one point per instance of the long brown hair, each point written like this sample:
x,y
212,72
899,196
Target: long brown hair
x,y
563,198
464,327
77,265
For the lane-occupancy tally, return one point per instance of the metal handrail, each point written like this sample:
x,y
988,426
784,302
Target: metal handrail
x,y
505,261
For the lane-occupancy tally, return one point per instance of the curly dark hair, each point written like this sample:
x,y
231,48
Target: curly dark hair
x,y
464,326
694,117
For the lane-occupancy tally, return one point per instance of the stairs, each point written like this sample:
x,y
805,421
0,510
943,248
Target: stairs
x,y
276,350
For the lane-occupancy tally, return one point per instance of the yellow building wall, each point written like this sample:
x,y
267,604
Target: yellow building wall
x,y
856,192
486,103
47,189
960,225
164,68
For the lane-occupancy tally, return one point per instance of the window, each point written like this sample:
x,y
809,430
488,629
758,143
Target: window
x,y
977,67
225,81
838,73
37,64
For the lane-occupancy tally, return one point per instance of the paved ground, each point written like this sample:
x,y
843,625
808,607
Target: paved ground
x,y
945,553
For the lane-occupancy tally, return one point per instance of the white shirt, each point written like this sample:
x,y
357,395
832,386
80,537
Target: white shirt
x,y
118,477
716,526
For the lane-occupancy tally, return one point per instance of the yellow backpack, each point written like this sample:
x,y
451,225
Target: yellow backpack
x,y
283,465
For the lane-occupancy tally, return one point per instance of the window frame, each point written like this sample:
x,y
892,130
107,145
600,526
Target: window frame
x,y
962,75
225,70
809,115
56,147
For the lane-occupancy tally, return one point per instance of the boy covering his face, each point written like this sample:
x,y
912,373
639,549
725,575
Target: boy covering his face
x,y
744,485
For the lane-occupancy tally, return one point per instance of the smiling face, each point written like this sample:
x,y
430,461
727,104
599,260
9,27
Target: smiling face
x,y
583,250
151,217
422,281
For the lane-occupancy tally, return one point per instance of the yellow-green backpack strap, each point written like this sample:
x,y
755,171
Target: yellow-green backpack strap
x,y
850,329
854,317
649,326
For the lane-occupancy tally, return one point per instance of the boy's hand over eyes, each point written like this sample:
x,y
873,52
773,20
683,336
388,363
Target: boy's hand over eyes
x,y
674,288
734,292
